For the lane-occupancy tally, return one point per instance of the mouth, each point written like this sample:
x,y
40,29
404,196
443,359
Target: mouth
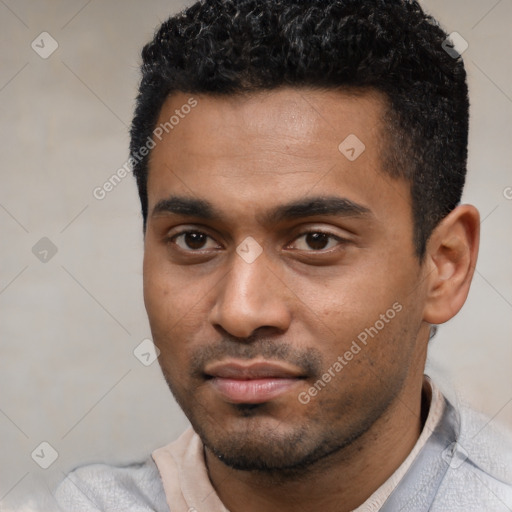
x,y
242,382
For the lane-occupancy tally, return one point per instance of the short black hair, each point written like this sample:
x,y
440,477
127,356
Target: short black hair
x,y
227,47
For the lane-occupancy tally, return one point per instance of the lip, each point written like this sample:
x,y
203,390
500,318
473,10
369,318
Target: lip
x,y
252,383
243,370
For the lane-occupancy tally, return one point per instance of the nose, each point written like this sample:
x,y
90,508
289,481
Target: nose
x,y
249,297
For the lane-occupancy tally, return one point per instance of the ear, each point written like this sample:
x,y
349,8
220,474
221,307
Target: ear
x,y
450,262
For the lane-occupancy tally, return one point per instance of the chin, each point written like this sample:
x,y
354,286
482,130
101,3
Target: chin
x,y
267,447
248,455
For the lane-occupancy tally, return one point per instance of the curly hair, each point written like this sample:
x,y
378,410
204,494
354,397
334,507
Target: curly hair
x,y
226,47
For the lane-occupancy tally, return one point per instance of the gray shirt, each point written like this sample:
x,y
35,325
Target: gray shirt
x,y
463,465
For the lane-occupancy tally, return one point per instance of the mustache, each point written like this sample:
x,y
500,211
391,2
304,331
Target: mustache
x,y
309,360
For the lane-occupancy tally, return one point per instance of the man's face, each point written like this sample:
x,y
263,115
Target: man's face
x,y
285,346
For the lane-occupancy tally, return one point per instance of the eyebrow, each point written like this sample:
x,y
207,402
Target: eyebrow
x,y
306,207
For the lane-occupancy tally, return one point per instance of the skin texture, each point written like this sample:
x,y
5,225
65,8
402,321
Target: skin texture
x,y
303,301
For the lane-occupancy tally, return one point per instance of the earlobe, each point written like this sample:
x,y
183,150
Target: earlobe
x,y
450,263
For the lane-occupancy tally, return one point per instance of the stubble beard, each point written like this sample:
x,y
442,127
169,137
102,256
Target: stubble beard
x,y
282,454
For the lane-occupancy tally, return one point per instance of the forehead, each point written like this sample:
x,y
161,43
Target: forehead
x,y
264,148
301,118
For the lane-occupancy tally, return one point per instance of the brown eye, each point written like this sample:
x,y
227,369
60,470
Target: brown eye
x,y
191,240
317,241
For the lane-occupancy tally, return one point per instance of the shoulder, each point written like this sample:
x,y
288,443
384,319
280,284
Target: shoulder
x,y
487,444
135,487
479,476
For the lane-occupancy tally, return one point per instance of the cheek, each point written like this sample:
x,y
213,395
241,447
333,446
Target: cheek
x,y
166,297
176,307
365,317
163,305
164,314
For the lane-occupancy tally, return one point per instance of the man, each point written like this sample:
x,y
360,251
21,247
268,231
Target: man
x,y
300,166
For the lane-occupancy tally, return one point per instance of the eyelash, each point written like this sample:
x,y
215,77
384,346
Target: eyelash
x,y
340,241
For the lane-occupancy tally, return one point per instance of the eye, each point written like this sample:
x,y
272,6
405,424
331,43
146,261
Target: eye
x,y
191,240
318,240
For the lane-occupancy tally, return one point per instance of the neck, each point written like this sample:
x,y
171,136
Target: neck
x,y
341,481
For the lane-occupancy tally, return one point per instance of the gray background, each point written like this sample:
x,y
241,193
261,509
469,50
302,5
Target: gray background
x,y
69,326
